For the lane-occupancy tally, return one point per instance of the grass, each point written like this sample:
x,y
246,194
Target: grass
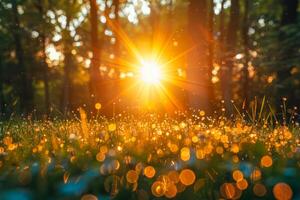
x,y
189,156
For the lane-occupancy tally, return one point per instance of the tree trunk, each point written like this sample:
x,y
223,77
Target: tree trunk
x,y
45,64
245,73
230,47
2,101
117,86
211,44
66,83
197,69
222,24
45,77
66,90
288,17
25,89
289,12
221,38
95,78
117,22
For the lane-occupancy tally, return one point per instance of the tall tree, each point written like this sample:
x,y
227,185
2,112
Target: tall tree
x,y
211,50
66,91
222,24
221,38
287,51
2,103
41,10
25,82
117,54
289,11
95,78
2,36
230,48
197,70
245,35
69,12
7,63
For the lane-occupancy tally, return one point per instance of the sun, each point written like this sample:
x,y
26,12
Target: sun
x,y
150,72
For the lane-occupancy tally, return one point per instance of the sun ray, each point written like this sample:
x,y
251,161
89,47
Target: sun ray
x,y
126,40
179,56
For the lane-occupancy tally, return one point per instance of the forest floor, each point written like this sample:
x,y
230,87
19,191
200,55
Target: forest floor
x,y
150,157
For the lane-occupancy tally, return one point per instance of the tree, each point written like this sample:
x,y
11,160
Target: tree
x,y
211,50
117,55
41,11
197,70
25,89
245,35
287,51
95,78
66,91
230,49
289,12
222,27
277,62
2,101
7,64
68,11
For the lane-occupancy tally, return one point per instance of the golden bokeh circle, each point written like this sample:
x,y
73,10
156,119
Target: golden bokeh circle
x,y
132,176
149,172
228,190
266,161
237,175
158,189
187,177
282,191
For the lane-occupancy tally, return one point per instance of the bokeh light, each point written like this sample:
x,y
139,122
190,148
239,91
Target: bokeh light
x,y
282,191
187,177
149,172
266,161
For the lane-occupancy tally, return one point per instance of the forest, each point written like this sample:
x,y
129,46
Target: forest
x,y
57,56
149,99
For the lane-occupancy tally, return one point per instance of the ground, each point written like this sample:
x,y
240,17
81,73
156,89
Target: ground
x,y
150,156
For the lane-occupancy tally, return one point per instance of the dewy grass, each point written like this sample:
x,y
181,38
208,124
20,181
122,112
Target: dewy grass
x,y
187,156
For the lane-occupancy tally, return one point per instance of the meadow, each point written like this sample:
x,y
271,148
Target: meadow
x,y
253,155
